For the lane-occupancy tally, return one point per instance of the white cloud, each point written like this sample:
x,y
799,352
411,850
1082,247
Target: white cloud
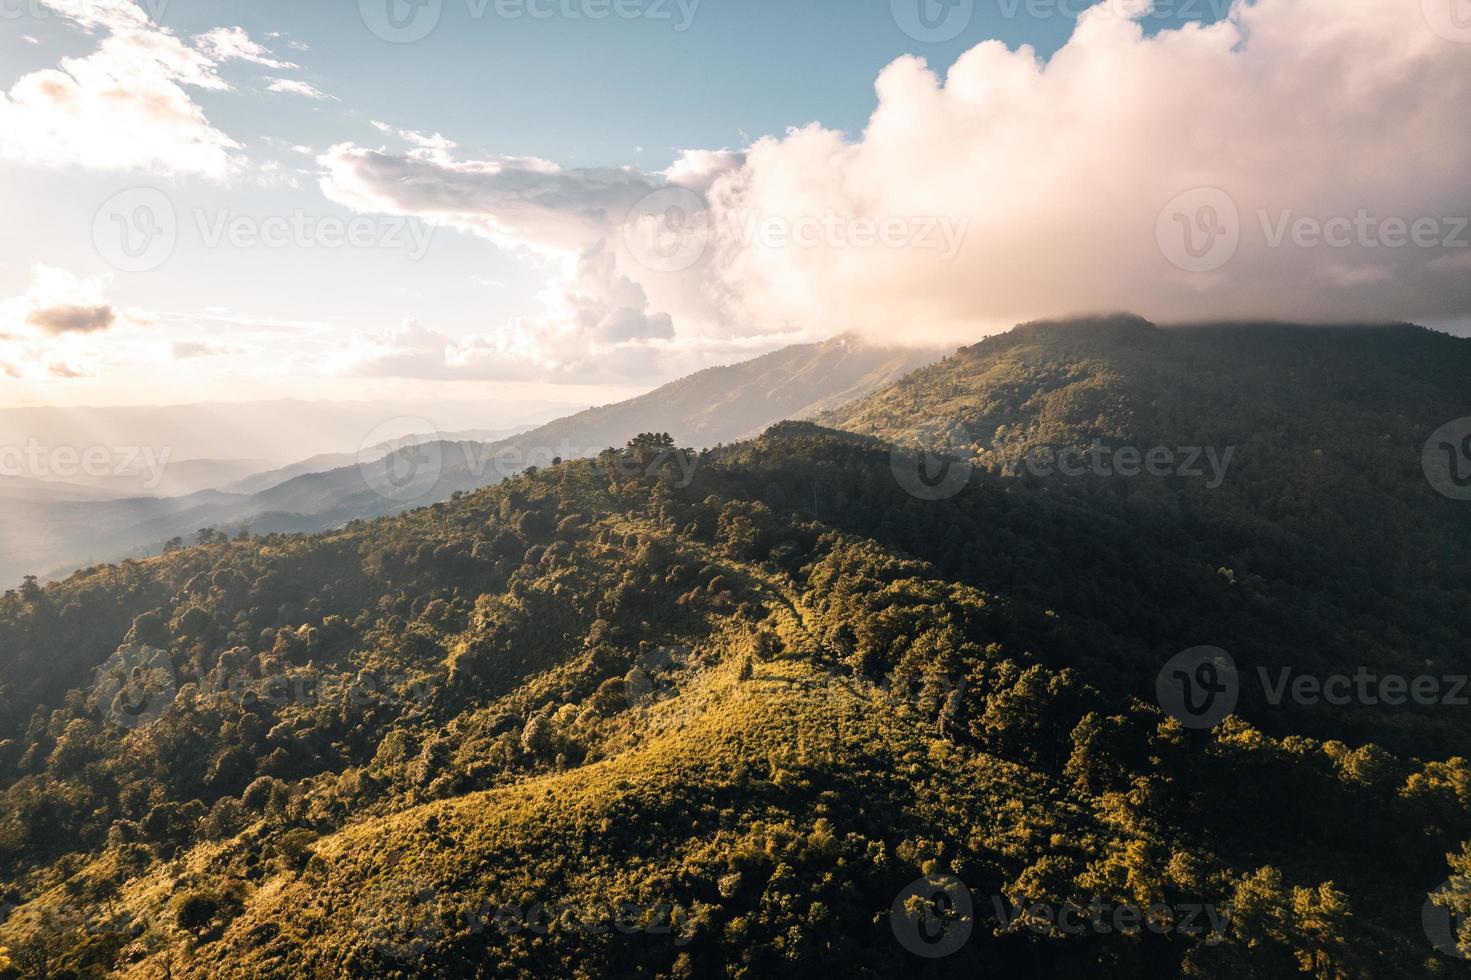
x,y
234,44
1313,108
126,106
1013,189
293,87
188,350
514,201
48,330
597,326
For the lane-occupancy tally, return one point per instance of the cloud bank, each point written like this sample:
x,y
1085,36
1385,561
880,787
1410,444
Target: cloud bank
x,y
1301,159
128,105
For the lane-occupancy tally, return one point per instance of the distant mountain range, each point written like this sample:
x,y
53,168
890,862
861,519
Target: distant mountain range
x,y
820,702
53,533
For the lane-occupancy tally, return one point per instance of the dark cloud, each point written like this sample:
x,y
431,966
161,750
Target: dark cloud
x,y
73,319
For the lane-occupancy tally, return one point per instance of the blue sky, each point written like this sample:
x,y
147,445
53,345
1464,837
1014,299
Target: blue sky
x,y
483,164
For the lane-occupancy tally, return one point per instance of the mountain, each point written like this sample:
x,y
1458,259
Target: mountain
x,y
716,405
723,404
324,462
278,431
809,701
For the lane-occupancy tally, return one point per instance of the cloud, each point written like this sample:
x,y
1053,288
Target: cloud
x,y
188,350
126,106
597,327
514,201
58,369
47,330
1014,188
1078,179
293,87
58,302
73,319
234,44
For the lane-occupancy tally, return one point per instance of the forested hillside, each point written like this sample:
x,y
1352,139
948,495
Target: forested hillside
x,y
741,712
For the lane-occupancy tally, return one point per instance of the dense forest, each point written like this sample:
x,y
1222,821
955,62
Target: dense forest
x,y
797,703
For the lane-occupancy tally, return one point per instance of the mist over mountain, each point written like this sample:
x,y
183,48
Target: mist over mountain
x,y
750,703
53,534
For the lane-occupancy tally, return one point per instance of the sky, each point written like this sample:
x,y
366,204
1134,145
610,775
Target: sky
x,y
573,200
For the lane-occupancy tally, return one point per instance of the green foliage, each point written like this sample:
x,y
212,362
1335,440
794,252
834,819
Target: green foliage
x,y
755,698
